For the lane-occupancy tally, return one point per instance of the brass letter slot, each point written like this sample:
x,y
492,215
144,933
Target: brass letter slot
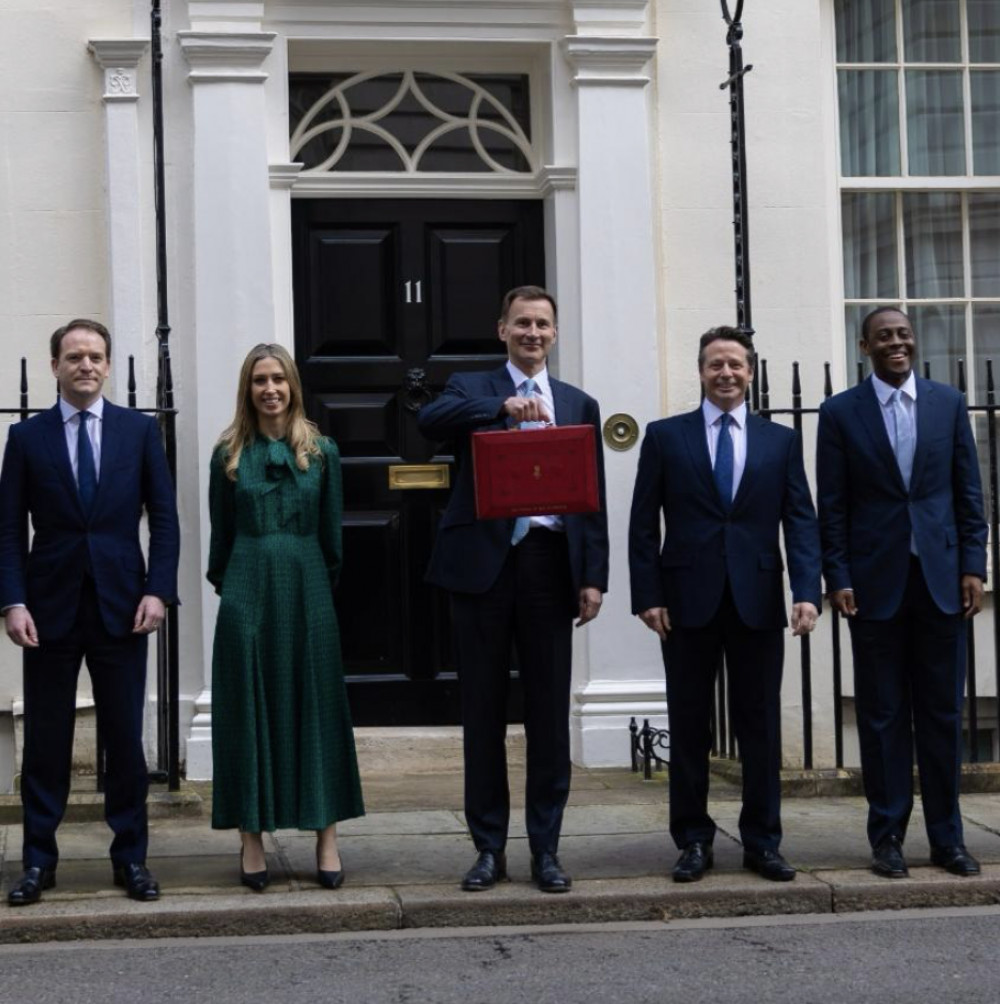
x,y
419,476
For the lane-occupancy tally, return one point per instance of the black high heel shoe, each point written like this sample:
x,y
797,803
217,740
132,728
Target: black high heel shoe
x,y
257,881
328,879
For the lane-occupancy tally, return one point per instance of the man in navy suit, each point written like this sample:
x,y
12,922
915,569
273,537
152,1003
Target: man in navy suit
x,y
724,481
904,555
516,584
84,471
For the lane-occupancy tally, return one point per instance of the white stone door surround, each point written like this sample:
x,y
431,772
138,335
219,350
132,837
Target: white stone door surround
x,y
590,65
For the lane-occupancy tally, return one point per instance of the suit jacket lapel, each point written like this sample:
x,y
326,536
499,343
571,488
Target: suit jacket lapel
x,y
55,439
870,414
563,403
755,447
697,444
110,441
925,421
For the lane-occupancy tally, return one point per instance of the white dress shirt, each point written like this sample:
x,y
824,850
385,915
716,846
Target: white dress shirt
x,y
544,391
737,430
71,426
907,398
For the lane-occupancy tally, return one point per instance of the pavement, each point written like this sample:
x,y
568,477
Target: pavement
x,y
403,862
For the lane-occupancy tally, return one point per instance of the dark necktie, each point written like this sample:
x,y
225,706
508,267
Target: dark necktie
x,y
724,461
523,523
86,471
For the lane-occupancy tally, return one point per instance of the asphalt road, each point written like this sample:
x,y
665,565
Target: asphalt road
x,y
944,957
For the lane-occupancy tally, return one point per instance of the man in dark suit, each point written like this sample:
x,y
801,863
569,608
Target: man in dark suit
x,y
512,582
904,555
83,471
724,481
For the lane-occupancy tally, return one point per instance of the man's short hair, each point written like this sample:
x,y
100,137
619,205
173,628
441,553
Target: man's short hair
x,y
869,317
55,342
724,333
527,293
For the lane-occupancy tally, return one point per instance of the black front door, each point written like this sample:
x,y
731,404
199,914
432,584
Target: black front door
x,y
391,297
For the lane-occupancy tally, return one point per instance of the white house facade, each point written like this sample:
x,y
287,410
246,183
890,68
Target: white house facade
x,y
356,181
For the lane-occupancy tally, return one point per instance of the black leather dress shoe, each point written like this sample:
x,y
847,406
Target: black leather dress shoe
x,y
956,860
138,882
547,873
694,861
29,887
490,868
888,860
768,864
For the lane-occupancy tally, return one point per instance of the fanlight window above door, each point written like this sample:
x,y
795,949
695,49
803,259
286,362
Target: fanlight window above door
x,y
411,122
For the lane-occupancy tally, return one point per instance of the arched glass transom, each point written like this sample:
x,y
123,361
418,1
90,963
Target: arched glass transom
x,y
412,122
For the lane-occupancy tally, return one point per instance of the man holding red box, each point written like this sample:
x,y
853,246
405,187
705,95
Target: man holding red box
x,y
512,583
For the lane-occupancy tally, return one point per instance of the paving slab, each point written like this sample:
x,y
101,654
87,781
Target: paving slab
x,y
607,901
403,822
855,890
199,916
387,860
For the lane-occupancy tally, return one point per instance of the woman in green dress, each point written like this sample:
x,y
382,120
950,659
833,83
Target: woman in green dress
x,y
282,740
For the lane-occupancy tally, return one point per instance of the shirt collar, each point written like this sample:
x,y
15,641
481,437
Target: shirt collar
x,y
885,390
712,413
541,378
68,411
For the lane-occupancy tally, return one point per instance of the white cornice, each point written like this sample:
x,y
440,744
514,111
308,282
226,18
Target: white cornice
x,y
119,57
610,60
609,17
345,184
113,52
226,57
283,175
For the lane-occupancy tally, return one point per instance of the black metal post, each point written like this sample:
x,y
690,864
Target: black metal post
x,y
741,215
167,638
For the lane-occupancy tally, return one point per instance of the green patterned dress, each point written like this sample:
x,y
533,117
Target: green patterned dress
x,y
282,740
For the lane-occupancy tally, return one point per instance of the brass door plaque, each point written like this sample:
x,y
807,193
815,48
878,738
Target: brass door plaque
x,y
419,476
621,432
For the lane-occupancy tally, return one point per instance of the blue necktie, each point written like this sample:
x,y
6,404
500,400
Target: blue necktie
x,y
723,469
905,443
86,470
523,523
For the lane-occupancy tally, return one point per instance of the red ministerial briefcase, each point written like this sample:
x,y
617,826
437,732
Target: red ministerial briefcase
x,y
525,472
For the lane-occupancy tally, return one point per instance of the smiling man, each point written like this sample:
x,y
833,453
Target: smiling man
x,y
83,472
904,556
722,482
520,585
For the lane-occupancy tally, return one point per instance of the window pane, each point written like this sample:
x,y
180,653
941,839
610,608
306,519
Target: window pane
x,y
986,338
854,314
866,31
940,333
936,132
869,123
870,271
984,239
932,225
985,86
984,31
931,31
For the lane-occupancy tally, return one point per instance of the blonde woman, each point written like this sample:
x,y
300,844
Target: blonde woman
x,y
282,740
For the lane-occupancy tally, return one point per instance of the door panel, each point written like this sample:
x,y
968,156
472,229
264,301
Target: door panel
x,y
391,297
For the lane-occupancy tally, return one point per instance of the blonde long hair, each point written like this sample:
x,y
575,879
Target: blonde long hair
x,y
302,435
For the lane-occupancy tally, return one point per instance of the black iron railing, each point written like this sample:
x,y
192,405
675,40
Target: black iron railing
x,y
167,663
